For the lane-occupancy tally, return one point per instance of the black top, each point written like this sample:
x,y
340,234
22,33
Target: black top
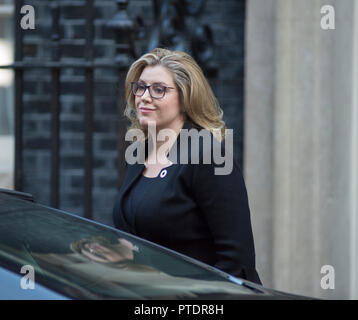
x,y
134,199
193,211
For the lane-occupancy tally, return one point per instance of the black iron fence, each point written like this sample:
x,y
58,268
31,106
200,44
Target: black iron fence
x,y
123,28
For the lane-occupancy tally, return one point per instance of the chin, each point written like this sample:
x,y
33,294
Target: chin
x,y
145,120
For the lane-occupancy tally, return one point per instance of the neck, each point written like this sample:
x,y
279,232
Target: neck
x,y
175,128
157,141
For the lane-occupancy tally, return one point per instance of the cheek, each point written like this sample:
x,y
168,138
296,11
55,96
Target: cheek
x,y
168,113
136,101
175,108
172,107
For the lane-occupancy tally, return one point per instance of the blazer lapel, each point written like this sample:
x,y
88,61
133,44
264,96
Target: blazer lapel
x,y
133,173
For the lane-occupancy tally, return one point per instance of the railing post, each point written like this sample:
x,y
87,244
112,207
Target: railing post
x,y
55,108
19,104
88,114
124,28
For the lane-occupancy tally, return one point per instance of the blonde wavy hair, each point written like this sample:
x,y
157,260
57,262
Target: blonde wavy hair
x,y
195,93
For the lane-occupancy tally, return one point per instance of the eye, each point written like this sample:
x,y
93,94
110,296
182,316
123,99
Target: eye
x,y
140,88
158,89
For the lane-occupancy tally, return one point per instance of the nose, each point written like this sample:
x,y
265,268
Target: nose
x,y
146,95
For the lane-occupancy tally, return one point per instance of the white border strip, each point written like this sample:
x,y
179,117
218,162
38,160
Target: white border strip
x,y
6,10
354,160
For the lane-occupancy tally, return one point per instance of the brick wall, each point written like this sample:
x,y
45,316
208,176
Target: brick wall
x,y
227,23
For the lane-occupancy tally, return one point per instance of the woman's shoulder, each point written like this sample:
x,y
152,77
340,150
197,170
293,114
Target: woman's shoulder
x,y
194,139
201,148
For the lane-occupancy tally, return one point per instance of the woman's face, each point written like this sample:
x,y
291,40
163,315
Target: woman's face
x,y
166,111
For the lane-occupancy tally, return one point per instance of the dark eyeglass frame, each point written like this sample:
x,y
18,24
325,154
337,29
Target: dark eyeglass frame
x,y
149,89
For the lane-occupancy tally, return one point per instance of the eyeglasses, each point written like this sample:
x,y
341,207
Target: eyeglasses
x,y
156,91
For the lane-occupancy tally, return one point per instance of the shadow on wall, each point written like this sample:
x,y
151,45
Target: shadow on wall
x,y
6,162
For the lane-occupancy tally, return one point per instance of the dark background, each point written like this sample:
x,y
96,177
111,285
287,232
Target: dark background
x,y
224,67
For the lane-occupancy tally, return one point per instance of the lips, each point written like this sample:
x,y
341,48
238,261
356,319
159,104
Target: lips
x,y
144,109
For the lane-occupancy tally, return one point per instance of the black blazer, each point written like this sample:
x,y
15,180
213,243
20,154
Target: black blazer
x,y
195,212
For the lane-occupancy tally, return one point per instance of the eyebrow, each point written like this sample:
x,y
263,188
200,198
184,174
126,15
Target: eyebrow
x,y
162,83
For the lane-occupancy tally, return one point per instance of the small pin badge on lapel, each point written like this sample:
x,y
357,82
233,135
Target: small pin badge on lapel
x,y
163,173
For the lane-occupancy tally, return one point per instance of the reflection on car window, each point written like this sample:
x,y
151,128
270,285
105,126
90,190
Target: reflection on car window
x,y
87,260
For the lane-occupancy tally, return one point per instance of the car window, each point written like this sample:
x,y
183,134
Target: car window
x,y
83,259
11,290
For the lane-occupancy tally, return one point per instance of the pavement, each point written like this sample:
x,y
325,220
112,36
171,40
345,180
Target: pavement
x,y
7,148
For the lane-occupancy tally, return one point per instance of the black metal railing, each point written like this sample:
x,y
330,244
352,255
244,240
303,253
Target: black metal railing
x,y
123,27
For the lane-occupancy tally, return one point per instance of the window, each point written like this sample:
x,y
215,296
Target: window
x,y
6,95
6,75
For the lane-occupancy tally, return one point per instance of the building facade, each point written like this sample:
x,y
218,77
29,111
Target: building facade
x,y
301,144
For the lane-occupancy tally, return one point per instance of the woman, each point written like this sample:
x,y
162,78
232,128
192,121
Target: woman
x,y
183,206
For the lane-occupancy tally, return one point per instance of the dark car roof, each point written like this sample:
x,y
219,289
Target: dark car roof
x,y
58,246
